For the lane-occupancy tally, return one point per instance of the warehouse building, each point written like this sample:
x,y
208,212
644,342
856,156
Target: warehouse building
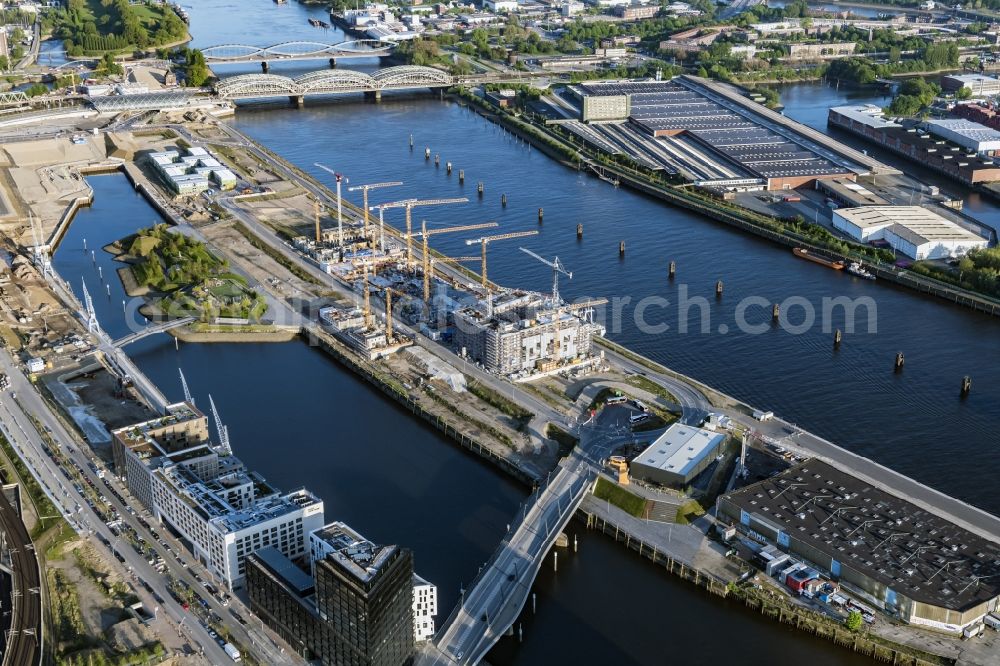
x,y
979,84
912,141
355,609
973,136
709,133
916,565
915,231
678,455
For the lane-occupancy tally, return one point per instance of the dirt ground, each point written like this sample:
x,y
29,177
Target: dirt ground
x,y
97,391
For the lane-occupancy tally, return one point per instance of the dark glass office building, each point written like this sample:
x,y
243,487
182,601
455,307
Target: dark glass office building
x,y
355,610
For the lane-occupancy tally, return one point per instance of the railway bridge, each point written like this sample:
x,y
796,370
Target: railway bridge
x,y
297,50
329,82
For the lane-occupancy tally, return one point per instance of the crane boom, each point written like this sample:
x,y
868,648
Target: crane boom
x,y
184,385
426,233
485,240
409,205
222,430
364,195
556,267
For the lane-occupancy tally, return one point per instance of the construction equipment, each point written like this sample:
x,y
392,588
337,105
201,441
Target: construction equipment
x,y
441,260
485,240
340,208
621,465
364,194
556,267
369,320
426,233
316,204
409,205
389,291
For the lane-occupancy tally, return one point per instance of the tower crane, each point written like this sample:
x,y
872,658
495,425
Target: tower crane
x,y
426,233
452,260
340,209
485,240
409,205
364,194
389,291
369,324
556,267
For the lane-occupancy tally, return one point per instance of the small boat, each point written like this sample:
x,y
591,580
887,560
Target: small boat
x,y
803,253
857,269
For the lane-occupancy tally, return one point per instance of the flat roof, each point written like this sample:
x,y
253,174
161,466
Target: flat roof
x,y
966,133
915,224
354,553
915,552
284,568
871,115
679,449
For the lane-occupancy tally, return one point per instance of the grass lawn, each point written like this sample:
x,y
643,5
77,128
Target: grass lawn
x,y
628,502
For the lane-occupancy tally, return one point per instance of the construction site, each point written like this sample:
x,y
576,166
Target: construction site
x,y
508,331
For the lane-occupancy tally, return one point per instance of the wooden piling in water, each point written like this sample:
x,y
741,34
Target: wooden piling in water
x,y
427,153
541,214
461,176
503,200
718,289
898,364
966,385
837,335
672,270
621,248
579,231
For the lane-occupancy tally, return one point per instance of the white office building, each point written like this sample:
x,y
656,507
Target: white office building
x,y
915,231
206,495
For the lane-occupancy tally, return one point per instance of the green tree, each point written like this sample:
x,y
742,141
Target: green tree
x,y
196,71
854,621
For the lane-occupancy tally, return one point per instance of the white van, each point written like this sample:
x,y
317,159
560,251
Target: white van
x,y
992,621
638,418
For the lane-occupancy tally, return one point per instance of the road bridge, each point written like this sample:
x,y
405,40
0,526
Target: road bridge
x,y
493,602
152,329
298,50
334,81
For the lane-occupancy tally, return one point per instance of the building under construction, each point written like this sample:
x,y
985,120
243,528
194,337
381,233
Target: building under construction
x,y
522,333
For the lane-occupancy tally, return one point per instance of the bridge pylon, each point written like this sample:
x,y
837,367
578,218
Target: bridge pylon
x,y
92,325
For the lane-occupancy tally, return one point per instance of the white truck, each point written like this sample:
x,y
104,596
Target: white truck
x,y
231,650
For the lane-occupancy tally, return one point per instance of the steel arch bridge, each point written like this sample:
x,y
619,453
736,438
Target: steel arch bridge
x,y
299,50
250,86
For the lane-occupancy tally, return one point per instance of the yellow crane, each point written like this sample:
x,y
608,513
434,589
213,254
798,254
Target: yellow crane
x,y
409,205
369,320
442,260
485,240
426,233
389,291
364,195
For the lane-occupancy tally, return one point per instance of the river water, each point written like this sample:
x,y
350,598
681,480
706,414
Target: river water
x,y
302,420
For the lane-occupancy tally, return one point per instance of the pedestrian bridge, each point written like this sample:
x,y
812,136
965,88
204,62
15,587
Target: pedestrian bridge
x,y
152,329
333,81
491,605
300,50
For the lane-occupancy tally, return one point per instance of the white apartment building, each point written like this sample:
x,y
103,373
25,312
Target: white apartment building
x,y
425,607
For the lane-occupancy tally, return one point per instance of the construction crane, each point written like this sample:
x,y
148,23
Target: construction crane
x,y
409,205
556,267
220,428
364,194
389,291
340,208
316,209
184,385
369,323
426,233
442,260
485,240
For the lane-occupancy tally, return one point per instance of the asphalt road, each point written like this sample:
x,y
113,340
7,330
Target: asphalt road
x,y
170,616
